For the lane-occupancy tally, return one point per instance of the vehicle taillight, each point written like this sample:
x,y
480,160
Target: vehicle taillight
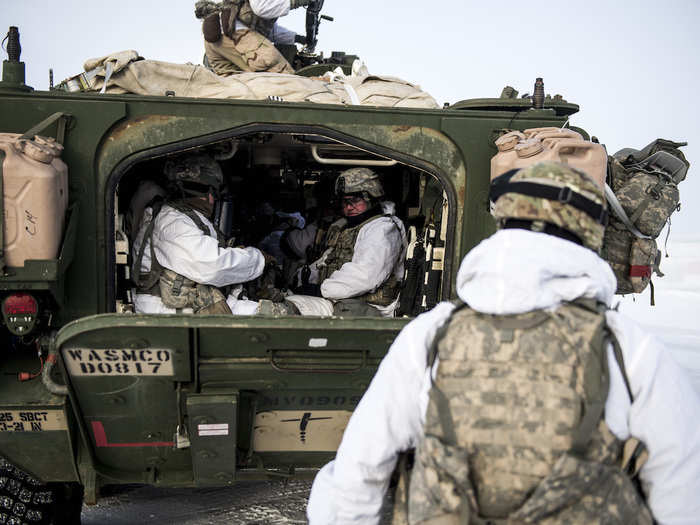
x,y
20,312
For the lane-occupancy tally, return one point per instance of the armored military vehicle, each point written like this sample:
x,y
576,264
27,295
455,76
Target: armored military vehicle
x,y
93,394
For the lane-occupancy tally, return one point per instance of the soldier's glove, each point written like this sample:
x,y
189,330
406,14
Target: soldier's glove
x,y
300,39
204,8
271,294
293,4
269,260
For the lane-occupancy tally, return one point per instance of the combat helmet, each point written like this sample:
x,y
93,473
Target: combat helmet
x,y
361,181
193,174
552,198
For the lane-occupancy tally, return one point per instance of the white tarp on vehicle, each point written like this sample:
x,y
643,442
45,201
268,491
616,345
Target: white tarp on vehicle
x,y
127,72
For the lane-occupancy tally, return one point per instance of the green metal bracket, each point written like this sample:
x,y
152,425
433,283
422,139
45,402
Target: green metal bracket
x,y
62,119
45,274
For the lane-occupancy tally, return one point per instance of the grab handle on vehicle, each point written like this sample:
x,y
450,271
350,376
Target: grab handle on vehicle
x,y
349,162
350,361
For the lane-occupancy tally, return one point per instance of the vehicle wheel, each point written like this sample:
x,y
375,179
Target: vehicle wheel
x,y
26,500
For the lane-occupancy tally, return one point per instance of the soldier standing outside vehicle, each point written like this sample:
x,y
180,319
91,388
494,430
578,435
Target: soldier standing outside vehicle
x,y
361,267
240,35
180,258
519,399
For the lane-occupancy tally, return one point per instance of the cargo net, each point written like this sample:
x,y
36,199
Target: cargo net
x,y
127,72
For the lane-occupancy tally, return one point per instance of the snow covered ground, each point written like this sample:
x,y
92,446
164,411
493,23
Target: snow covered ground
x,y
676,317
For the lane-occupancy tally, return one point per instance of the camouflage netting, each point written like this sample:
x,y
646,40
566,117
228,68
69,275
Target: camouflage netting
x,y
132,74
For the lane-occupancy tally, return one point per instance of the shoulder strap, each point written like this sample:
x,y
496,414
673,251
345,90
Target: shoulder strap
x,y
617,352
404,241
634,453
596,384
597,377
441,402
191,212
148,280
440,334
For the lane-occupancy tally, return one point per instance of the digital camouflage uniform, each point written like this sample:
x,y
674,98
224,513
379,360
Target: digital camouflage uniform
x,y
514,430
229,51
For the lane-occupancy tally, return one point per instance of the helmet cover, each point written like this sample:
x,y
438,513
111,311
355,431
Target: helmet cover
x,y
359,180
194,168
561,213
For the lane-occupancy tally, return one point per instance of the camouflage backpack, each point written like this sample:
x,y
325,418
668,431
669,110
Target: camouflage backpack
x,y
514,430
642,192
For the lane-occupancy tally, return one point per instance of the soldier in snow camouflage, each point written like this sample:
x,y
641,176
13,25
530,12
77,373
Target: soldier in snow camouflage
x,y
514,430
179,232
237,39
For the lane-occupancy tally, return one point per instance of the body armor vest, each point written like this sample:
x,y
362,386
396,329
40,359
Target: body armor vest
x,y
342,240
514,430
175,290
241,10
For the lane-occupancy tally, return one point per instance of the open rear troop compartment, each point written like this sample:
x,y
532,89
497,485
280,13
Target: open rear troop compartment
x,y
278,182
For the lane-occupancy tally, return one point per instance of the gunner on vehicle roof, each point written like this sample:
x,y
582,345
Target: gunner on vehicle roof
x,y
240,35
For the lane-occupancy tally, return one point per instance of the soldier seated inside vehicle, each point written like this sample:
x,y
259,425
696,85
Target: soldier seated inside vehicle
x,y
255,226
181,259
360,263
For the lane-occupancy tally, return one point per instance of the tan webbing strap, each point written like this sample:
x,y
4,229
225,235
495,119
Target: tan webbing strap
x,y
41,126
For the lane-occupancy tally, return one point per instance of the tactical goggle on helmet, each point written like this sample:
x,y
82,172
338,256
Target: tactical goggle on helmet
x,y
359,180
195,174
552,198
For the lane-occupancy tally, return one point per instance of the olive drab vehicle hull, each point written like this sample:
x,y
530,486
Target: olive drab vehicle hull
x,y
184,400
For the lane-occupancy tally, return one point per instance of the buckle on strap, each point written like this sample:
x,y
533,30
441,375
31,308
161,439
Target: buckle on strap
x,y
565,195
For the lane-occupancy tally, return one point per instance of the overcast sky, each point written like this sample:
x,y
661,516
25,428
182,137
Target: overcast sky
x,y
632,66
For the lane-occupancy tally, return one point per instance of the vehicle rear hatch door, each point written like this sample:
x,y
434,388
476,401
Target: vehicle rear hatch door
x,y
249,394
